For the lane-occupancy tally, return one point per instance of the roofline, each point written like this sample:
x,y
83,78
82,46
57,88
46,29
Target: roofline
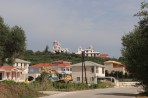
x,y
21,61
93,63
114,62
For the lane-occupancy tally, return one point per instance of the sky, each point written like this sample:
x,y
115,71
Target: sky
x,y
75,23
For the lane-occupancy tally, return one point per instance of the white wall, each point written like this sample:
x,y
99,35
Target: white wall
x,y
23,66
77,72
100,72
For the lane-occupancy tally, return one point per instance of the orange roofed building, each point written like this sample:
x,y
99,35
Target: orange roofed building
x,y
17,72
60,66
35,70
104,56
10,73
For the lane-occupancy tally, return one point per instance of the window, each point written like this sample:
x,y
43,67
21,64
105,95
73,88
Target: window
x,y
78,78
97,70
103,70
21,65
25,65
94,55
91,78
92,69
67,69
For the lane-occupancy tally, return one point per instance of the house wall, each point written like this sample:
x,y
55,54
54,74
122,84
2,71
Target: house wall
x,y
100,72
34,70
77,73
66,70
23,66
10,75
110,67
25,69
91,73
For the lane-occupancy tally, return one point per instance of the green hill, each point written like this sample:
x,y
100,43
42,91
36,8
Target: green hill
x,y
48,57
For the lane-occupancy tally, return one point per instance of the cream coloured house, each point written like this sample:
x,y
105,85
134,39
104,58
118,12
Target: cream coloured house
x,y
10,73
24,66
114,66
17,72
93,71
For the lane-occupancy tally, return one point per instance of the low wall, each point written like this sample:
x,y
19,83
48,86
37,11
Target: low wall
x,y
120,84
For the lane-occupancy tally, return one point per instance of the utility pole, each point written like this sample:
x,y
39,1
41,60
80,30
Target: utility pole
x,y
82,64
85,73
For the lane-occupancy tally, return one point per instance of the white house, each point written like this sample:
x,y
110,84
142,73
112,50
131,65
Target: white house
x,y
24,66
93,71
88,52
10,73
17,72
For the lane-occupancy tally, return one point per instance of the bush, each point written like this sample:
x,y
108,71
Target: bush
x,y
37,85
11,89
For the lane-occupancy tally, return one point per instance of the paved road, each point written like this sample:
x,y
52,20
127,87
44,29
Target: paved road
x,y
122,92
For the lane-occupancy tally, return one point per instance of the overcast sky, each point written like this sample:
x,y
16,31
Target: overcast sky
x,y
75,23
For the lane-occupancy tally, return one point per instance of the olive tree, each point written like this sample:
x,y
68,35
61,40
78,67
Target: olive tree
x,y
135,48
12,42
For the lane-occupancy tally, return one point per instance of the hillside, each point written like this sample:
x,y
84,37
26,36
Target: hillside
x,y
48,57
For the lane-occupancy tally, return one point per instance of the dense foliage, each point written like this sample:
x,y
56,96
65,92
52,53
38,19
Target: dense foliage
x,y
48,57
12,42
135,48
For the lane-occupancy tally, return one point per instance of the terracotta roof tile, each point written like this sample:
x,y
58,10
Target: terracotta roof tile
x,y
61,63
104,56
9,68
6,67
41,65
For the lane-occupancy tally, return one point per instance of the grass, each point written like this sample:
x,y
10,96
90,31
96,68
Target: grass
x,y
142,95
11,89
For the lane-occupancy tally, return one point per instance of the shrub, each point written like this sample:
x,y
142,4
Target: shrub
x,y
11,89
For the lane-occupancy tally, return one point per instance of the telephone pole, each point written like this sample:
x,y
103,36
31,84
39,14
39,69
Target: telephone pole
x,y
85,72
82,64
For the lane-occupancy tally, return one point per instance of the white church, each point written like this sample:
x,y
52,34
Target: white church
x,y
57,47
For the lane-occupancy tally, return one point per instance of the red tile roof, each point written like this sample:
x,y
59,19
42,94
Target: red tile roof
x,y
6,67
104,56
41,65
59,63
9,68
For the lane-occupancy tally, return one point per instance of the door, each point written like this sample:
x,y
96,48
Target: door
x,y
1,76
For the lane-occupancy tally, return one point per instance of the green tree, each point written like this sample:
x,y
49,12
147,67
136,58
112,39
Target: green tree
x,y
4,30
135,48
12,42
15,45
46,49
